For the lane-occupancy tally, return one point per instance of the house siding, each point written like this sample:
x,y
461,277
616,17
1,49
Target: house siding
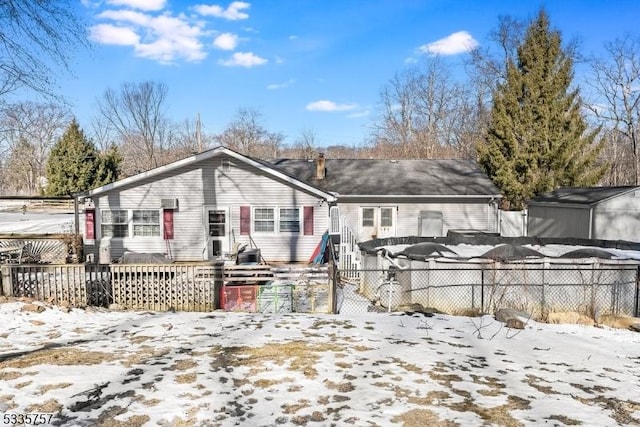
x,y
208,183
618,218
558,221
457,214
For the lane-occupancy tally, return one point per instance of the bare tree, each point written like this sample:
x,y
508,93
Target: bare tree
x,y
486,65
424,113
28,130
616,81
135,115
304,146
247,135
189,138
35,35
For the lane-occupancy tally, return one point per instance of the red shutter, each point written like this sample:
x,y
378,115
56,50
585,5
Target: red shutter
x,y
167,223
308,220
245,219
90,224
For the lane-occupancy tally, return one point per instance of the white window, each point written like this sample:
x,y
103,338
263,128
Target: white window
x,y
367,217
386,217
114,223
146,223
122,223
289,220
264,220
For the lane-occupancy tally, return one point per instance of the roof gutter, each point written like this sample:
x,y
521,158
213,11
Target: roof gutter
x,y
419,196
562,205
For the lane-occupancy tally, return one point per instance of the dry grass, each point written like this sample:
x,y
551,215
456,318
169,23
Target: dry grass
x,y
498,415
183,365
533,381
623,411
495,386
139,339
23,385
45,388
570,317
344,387
302,356
50,406
615,321
10,375
565,420
7,399
186,378
151,402
266,383
420,418
144,354
408,366
295,407
59,357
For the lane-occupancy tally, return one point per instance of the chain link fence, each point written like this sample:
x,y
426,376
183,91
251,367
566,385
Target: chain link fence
x,y
585,289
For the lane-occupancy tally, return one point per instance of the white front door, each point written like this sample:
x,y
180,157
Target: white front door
x,y
377,222
217,227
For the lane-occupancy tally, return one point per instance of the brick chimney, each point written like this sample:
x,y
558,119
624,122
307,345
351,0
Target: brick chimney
x,y
320,166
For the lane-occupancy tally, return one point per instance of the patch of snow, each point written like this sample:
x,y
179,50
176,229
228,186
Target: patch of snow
x,y
29,223
259,369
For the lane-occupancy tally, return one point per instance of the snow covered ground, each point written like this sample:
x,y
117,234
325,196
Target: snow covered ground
x,y
33,220
191,369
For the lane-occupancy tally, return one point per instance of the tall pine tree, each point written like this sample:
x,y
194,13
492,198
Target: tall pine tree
x,y
537,139
75,165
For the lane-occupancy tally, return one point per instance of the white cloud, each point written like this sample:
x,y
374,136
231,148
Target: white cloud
x,y
226,41
244,59
140,4
233,12
111,34
276,86
453,44
163,38
330,106
293,37
130,16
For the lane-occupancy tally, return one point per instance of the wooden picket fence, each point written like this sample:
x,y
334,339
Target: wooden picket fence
x,y
158,287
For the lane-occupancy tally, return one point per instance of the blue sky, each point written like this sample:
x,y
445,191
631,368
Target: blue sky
x,y
315,65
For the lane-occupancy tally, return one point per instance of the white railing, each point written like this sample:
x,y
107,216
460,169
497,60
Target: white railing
x,y
349,255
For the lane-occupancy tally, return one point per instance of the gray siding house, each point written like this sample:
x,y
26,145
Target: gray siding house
x,y
607,213
390,198
198,208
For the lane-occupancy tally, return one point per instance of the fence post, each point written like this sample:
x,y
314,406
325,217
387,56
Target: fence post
x,y
546,266
218,281
482,290
333,283
637,310
6,281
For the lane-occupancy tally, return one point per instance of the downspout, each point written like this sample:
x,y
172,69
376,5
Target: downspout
x,y
76,215
590,222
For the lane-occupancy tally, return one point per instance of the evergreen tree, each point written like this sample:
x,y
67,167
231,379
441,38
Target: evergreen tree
x,y
75,165
537,139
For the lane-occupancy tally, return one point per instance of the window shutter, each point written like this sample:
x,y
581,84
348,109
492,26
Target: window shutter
x,y
167,221
245,219
308,220
90,224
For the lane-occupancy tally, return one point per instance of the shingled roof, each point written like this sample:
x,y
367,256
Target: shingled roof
x,y
581,195
368,177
